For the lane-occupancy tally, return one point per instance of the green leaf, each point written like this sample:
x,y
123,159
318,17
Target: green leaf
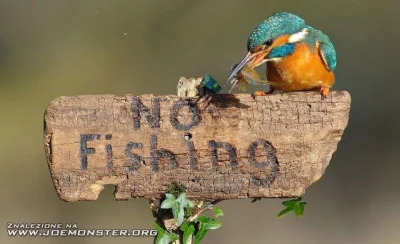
x,y
189,204
208,222
218,212
176,212
170,196
181,214
181,198
188,230
291,202
163,236
299,208
177,205
167,203
295,205
186,203
287,203
200,235
283,212
205,224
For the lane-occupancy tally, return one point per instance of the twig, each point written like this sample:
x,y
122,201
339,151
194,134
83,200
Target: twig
x,y
208,207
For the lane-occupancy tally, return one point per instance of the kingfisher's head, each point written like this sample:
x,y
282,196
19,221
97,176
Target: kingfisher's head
x,y
276,31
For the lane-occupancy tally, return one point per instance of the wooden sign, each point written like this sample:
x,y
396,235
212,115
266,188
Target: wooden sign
x,y
229,147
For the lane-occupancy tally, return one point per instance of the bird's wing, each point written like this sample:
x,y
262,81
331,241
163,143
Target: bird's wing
x,y
325,47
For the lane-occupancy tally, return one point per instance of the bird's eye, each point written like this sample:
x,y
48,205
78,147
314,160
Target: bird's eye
x,y
268,43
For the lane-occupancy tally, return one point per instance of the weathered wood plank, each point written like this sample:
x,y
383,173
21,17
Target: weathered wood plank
x,y
230,147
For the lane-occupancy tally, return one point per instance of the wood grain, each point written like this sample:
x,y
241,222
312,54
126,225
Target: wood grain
x,y
225,147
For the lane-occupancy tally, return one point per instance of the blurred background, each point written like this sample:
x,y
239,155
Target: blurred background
x,y
52,48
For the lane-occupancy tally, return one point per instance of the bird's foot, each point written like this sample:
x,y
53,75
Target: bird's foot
x,y
259,94
324,92
262,93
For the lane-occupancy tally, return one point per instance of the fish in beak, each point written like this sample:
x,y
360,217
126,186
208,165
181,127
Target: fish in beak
x,y
253,59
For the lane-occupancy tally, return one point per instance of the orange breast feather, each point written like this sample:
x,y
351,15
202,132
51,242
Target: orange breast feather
x,y
303,70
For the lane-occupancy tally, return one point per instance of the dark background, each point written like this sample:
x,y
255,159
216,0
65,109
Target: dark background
x,y
51,48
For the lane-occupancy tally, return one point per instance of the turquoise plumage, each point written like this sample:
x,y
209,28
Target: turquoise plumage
x,y
276,25
328,50
281,51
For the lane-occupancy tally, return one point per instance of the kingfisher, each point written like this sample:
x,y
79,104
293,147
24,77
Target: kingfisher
x,y
298,57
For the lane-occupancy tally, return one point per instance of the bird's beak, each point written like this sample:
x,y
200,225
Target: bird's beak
x,y
259,58
242,63
255,59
